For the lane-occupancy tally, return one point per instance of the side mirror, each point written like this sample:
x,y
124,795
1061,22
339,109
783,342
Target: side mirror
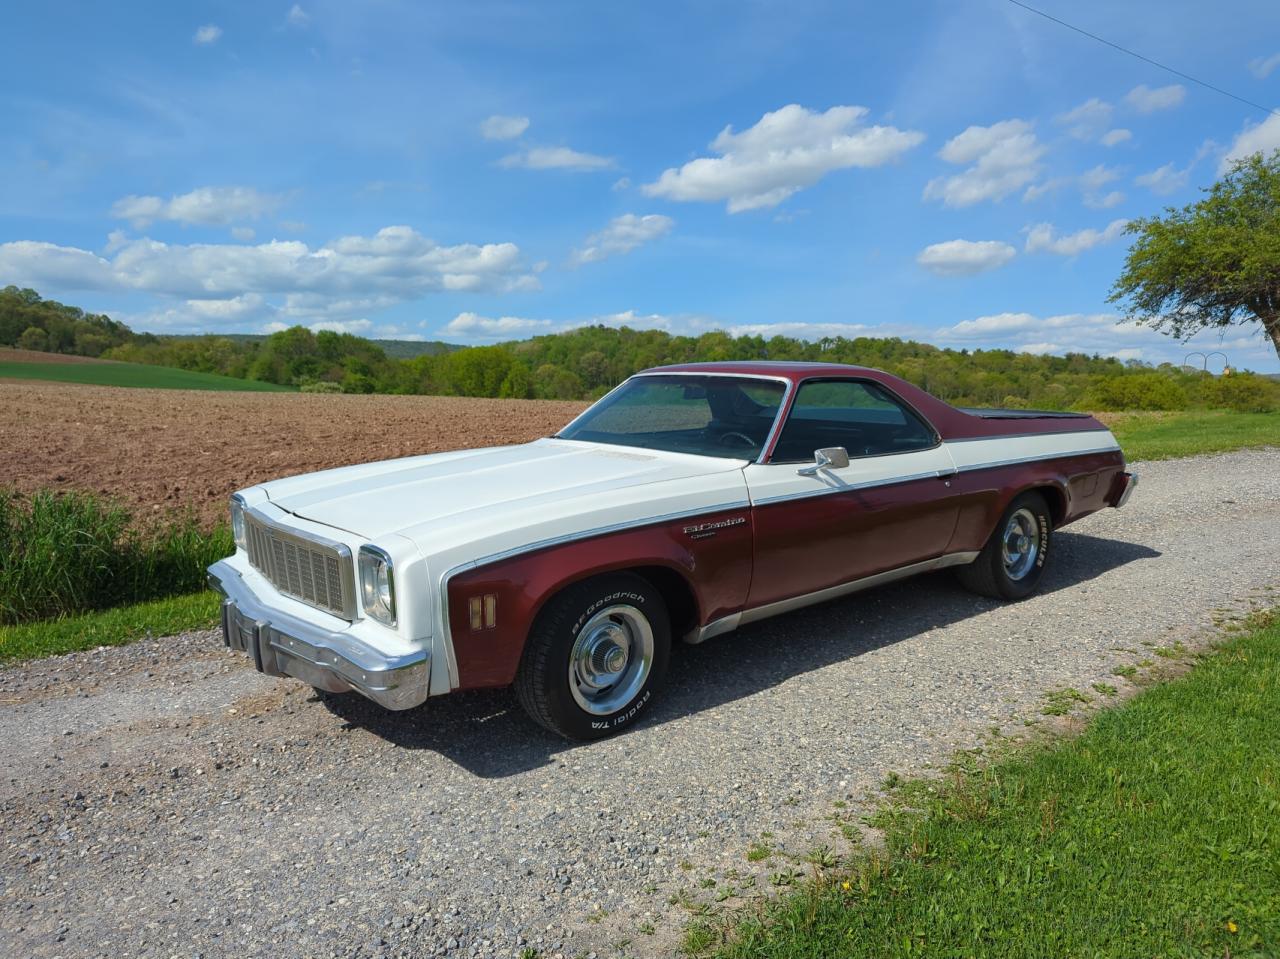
x,y
831,458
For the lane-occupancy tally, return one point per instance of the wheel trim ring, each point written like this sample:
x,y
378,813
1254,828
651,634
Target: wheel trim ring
x,y
1020,544
601,693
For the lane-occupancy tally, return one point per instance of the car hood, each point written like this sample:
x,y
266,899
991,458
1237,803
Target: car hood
x,y
395,496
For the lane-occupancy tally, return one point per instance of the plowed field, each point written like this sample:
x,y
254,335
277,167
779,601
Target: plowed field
x,y
157,450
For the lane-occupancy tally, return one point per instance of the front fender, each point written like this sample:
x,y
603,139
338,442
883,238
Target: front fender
x,y
713,559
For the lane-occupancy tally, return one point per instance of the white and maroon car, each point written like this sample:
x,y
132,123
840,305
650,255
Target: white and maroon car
x,y
689,501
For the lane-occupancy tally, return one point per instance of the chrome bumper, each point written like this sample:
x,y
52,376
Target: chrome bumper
x,y
283,645
1130,484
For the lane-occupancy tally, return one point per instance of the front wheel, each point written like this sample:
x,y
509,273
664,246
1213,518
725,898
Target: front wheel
x,y
1013,559
595,656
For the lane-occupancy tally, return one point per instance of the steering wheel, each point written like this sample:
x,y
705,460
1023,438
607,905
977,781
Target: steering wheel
x,y
739,439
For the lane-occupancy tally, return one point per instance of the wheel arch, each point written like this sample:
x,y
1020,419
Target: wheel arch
x,y
1055,496
671,582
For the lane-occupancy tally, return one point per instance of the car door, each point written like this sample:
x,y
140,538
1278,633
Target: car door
x,y
891,506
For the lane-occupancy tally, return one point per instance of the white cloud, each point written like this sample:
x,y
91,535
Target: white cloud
x,y
472,325
503,128
395,264
1261,138
1092,183
360,327
1088,120
1147,99
297,16
1042,238
808,331
229,310
1104,201
1101,333
786,151
622,235
965,257
243,233
557,158
1116,137
621,183
1164,180
1262,67
208,206
1003,158
1037,190
988,325
207,34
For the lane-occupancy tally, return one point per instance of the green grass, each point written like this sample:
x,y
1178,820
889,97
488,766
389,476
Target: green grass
x,y
131,374
112,627
68,553
1154,833
1159,436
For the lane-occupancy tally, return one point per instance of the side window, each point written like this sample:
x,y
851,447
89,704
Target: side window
x,y
858,415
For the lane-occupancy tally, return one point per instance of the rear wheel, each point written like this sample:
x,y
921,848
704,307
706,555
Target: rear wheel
x,y
1013,559
595,656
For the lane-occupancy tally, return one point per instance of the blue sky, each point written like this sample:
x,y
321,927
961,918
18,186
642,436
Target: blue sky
x,y
959,172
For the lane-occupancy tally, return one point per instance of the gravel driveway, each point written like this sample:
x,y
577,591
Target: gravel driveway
x,y
165,800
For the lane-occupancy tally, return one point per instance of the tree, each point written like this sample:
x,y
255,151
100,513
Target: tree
x,y
33,338
1213,264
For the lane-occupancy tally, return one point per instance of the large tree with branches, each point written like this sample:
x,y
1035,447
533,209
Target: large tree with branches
x,y
1215,263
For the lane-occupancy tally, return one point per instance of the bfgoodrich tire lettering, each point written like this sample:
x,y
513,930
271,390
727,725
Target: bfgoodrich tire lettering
x,y
595,656
1013,559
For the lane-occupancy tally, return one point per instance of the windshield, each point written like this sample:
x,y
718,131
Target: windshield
x,y
726,416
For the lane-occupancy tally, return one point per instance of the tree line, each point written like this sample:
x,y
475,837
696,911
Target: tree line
x,y
587,362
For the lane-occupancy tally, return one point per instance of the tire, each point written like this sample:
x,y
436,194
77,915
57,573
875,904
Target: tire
x,y
1027,528
595,656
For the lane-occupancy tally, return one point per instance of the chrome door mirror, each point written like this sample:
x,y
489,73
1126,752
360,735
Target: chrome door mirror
x,y
831,458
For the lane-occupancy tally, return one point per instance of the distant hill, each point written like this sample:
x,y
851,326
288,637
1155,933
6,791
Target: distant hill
x,y
397,349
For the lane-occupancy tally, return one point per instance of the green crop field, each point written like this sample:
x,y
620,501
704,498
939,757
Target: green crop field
x,y
131,374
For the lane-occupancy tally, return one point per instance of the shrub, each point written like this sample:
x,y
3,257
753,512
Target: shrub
x,y
321,386
1139,391
1242,392
63,553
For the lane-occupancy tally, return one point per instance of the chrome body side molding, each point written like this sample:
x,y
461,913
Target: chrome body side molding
x,y
727,624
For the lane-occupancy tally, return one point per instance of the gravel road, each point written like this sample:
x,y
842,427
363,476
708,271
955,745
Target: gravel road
x,y
165,800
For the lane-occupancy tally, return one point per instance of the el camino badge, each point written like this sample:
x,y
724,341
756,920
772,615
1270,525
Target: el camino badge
x,y
703,530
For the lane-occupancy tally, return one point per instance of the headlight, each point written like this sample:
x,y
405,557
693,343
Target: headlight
x,y
377,585
237,520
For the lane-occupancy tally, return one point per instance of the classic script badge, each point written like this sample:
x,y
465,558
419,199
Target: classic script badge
x,y
703,530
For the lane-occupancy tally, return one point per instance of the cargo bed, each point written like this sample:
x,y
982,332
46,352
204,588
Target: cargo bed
x,y
1021,414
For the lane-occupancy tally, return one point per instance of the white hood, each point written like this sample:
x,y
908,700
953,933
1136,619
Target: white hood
x,y
511,483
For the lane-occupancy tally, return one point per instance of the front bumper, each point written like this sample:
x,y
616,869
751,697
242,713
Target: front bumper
x,y
281,644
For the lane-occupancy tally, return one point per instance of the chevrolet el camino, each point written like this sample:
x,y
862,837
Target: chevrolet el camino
x,y
689,501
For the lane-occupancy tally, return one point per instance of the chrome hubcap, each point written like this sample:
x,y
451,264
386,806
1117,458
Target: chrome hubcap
x,y
610,659
1020,544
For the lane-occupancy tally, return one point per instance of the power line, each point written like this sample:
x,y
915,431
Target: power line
x,y
1154,63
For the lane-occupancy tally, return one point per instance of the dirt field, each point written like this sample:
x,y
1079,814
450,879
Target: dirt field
x,y
9,355
160,449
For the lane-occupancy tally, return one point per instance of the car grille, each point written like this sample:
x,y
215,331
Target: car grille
x,y
319,574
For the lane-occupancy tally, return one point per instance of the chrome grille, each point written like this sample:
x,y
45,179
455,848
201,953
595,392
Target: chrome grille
x,y
317,573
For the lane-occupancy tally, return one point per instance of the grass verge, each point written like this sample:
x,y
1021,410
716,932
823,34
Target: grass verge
x,y
112,627
67,553
1159,436
1154,833
132,374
